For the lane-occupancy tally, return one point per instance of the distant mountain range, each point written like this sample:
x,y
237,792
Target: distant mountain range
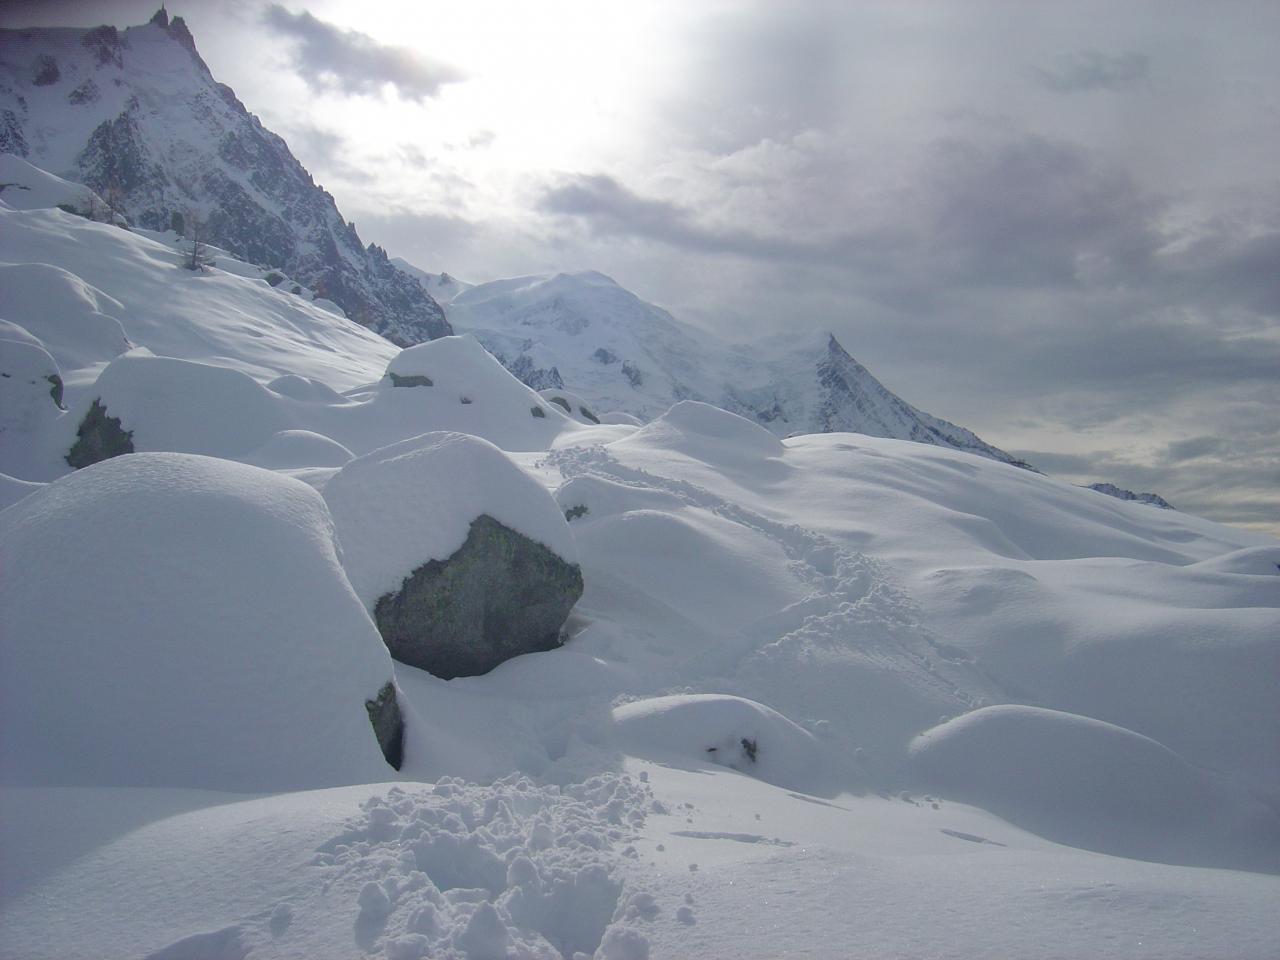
x,y
584,332
136,115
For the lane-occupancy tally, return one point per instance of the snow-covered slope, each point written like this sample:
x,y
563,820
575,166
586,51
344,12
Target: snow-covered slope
x,y
77,285
585,332
137,116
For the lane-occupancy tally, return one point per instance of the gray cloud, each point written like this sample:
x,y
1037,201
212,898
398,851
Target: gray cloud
x,y
330,58
1087,70
1192,448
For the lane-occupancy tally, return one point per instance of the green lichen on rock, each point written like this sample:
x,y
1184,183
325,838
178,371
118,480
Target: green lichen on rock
x,y
499,596
388,724
538,412
411,380
99,438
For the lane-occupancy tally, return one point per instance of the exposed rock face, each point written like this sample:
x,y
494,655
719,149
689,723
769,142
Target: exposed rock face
x,y
164,138
388,724
1111,490
501,595
99,438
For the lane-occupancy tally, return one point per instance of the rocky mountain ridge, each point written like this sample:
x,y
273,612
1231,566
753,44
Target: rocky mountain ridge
x,y
136,115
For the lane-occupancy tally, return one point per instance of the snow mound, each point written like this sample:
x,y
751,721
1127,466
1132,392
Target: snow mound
x,y
1079,781
454,384
1252,562
27,187
439,482
293,449
707,433
725,730
173,620
74,320
304,389
12,489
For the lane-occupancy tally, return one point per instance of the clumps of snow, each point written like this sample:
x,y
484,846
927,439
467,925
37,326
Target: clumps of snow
x,y
75,321
729,731
172,620
707,433
1083,782
512,870
439,482
294,449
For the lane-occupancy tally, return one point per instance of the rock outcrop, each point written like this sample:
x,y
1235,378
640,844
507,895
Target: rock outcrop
x,y
501,595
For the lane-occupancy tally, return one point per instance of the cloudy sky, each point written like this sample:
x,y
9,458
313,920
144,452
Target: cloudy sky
x,y
1057,224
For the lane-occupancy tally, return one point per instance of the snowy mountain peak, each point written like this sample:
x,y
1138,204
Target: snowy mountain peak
x,y
585,332
137,116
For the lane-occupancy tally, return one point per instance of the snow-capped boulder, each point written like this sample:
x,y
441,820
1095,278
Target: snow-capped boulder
x,y
30,402
707,433
180,621
453,383
293,449
477,564
179,406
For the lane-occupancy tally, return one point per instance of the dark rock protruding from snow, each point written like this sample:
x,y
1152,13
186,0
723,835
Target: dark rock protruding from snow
x,y
388,724
99,437
1111,490
138,116
500,596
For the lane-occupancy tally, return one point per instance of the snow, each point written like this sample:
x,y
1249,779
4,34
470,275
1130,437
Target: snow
x,y
1084,782
446,480
24,186
214,316
701,729
916,666
145,596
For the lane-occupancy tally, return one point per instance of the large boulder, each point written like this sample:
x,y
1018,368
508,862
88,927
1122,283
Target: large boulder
x,y
179,621
30,402
476,567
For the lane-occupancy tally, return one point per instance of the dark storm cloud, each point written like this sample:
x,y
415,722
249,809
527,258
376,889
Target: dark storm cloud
x,y
1027,211
330,58
608,208
1192,448
1087,70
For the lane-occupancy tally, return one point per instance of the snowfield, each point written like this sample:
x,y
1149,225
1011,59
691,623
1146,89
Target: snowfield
x,y
827,696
